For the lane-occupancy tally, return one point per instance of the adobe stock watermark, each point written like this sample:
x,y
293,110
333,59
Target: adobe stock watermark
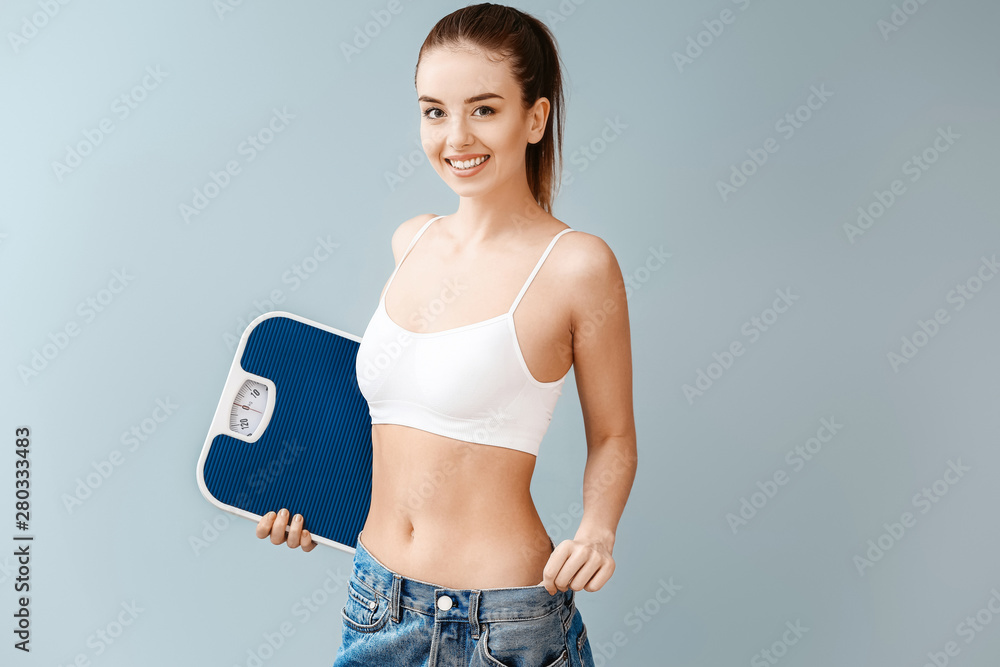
x,y
562,12
636,620
964,292
211,530
753,328
593,322
586,154
223,7
425,316
250,148
698,43
121,108
406,166
369,31
914,167
273,640
655,260
967,630
392,350
923,500
295,276
31,25
787,126
433,481
561,523
586,333
88,310
104,637
796,457
779,647
135,437
496,416
581,158
255,483
899,17
302,610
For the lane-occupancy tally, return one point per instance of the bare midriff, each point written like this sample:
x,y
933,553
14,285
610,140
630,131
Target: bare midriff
x,y
453,513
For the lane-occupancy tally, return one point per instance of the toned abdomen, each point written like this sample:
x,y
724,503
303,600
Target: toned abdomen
x,y
453,513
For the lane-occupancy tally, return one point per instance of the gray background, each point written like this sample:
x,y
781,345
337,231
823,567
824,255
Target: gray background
x,y
655,186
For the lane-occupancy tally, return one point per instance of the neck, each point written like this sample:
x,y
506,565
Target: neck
x,y
496,214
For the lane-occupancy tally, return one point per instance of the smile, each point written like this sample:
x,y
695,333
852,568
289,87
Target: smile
x,y
461,165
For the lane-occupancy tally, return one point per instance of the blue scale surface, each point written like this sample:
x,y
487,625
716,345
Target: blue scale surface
x,y
315,456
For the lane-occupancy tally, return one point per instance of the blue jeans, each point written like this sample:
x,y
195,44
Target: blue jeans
x,y
389,619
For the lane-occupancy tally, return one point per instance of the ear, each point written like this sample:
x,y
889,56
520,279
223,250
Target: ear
x,y
538,114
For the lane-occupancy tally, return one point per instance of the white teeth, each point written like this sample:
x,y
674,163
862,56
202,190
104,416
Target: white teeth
x,y
467,164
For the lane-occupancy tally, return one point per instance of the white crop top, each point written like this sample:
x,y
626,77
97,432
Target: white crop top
x,y
469,383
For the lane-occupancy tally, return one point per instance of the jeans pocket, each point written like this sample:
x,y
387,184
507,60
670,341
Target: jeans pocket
x,y
365,610
539,642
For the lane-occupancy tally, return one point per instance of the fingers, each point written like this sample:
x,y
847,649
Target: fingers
x,y
585,575
295,532
576,566
554,565
264,525
601,577
576,560
303,537
274,524
307,541
278,529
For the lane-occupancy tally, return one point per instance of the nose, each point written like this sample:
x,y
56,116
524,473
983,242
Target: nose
x,y
459,135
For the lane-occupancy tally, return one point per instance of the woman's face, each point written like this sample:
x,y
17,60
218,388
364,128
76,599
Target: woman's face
x,y
471,112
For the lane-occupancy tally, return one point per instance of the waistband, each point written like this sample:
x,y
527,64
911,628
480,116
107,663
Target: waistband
x,y
456,604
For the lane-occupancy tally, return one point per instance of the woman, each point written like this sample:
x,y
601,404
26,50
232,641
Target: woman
x,y
453,565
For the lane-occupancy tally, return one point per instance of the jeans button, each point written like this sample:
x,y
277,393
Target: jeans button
x,y
444,602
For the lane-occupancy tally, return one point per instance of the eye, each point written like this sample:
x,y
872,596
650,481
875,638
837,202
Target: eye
x,y
427,113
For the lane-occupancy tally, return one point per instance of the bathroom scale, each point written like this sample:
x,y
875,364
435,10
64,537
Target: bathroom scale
x,y
292,430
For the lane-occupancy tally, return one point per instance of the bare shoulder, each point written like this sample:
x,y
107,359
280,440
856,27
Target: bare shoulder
x,y
587,258
405,232
589,269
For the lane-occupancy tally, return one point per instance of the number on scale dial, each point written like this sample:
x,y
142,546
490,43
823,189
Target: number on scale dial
x,y
248,409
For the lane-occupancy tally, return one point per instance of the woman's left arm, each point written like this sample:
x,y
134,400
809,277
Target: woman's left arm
x,y
602,359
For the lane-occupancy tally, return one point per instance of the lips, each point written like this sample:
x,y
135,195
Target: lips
x,y
463,163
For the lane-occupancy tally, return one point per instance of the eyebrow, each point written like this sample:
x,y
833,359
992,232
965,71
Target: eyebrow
x,y
475,98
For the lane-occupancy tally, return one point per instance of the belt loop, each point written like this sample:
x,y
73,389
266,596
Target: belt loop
x,y
474,613
394,601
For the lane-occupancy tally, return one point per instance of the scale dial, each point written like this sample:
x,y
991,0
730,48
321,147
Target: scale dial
x,y
248,408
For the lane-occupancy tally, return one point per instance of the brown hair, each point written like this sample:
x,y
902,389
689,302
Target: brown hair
x,y
534,61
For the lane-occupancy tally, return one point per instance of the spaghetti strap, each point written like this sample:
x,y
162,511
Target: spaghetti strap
x,y
531,277
423,380
416,236
406,252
